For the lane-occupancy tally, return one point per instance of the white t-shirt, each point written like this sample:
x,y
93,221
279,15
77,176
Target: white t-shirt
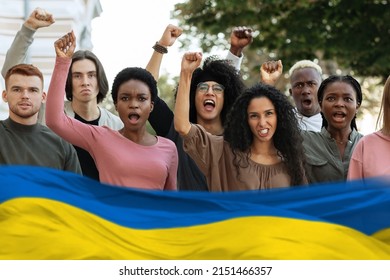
x,y
313,123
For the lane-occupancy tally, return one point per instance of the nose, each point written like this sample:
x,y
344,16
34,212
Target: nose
x,y
262,122
133,104
210,91
85,81
25,94
306,89
339,102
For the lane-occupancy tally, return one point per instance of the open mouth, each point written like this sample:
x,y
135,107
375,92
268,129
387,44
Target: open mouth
x,y
339,115
264,132
306,102
133,117
209,104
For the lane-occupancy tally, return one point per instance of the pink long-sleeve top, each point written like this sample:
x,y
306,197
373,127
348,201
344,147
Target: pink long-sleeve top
x,y
119,160
371,157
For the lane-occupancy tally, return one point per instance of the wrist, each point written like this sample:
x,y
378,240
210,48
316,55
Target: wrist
x,y
158,47
236,51
31,26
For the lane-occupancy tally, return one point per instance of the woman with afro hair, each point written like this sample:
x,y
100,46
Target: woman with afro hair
x,y
207,109
261,147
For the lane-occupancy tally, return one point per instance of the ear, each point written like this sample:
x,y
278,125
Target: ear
x,y
4,96
44,97
357,106
151,106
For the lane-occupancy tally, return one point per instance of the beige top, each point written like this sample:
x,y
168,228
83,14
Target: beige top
x,y
214,158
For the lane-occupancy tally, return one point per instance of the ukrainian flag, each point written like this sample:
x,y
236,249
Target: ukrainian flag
x,y
50,214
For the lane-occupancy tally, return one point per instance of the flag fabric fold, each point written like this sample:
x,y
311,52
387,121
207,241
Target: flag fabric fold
x,y
51,214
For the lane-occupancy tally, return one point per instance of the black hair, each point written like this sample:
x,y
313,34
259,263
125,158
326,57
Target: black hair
x,y
226,75
287,138
345,79
134,73
100,75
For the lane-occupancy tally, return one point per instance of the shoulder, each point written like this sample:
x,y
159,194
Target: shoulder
x,y
309,135
165,142
68,109
109,119
200,132
373,138
50,135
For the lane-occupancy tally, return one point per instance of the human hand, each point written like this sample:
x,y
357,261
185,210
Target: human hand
x,y
171,33
271,71
240,37
39,18
65,45
191,61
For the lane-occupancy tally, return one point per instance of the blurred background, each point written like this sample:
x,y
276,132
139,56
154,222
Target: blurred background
x,y
342,36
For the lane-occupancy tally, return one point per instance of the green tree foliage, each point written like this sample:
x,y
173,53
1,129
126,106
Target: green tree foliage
x,y
353,33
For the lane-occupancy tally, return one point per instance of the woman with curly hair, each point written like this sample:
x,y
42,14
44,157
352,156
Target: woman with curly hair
x,y
328,152
261,147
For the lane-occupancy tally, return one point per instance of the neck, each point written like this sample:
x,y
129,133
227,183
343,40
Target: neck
x,y
264,153
341,136
25,121
89,111
213,126
139,136
263,148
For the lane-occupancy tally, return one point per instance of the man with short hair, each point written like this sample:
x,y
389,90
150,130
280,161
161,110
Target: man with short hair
x,y
305,79
86,86
23,141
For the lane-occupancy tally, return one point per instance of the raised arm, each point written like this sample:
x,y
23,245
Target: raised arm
x,y
190,62
240,37
55,116
17,52
168,38
161,117
270,72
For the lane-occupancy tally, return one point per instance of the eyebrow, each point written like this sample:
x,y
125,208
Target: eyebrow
x,y
89,72
19,87
128,94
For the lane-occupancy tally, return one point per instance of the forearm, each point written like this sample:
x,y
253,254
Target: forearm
x,y
235,60
182,106
55,99
154,64
161,117
70,129
17,52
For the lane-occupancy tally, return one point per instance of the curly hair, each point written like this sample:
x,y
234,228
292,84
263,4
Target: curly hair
x,y
345,79
134,73
223,73
287,138
100,75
